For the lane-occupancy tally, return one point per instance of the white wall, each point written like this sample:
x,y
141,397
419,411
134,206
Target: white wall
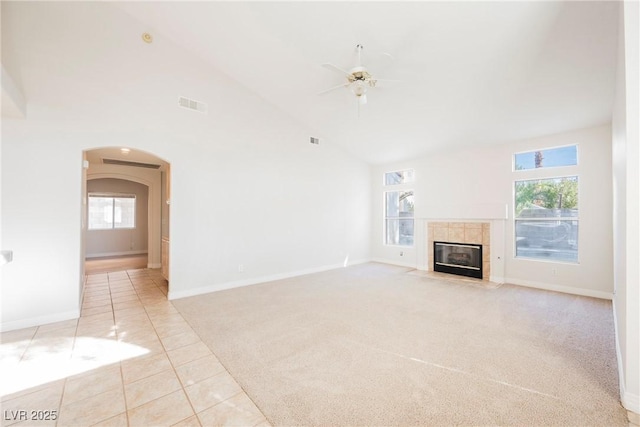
x,y
247,187
119,241
478,181
165,212
626,208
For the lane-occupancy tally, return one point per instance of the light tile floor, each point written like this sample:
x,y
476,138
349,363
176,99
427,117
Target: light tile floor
x,y
130,359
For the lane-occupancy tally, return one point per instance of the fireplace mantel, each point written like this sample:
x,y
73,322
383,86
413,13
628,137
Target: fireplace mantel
x,y
462,212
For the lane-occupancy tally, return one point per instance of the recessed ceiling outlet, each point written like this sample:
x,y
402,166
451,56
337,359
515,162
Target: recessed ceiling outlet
x,y
314,140
127,163
190,104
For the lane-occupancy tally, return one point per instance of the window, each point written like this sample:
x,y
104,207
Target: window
x,y
399,218
549,158
546,219
398,209
398,177
108,211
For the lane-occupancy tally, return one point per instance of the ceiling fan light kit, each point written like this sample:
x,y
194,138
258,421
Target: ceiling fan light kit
x,y
359,79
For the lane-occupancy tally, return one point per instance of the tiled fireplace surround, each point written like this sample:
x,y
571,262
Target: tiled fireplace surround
x,y
478,233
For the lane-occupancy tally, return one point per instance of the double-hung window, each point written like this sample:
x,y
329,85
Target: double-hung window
x,y
546,208
111,211
398,209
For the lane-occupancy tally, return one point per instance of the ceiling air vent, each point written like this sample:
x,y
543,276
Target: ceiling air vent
x,y
314,140
127,163
190,104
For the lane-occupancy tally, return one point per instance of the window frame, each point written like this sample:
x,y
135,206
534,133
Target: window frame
x,y
544,177
397,188
397,218
413,177
546,168
113,196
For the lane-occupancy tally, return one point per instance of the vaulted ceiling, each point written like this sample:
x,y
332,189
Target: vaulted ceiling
x,y
469,73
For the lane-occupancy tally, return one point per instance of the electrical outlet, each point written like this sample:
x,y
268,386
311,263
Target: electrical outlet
x,y
554,271
401,253
240,268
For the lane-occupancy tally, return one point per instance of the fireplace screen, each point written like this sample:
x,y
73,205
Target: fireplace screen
x,y
458,258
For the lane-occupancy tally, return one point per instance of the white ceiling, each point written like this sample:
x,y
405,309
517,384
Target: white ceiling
x,y
470,72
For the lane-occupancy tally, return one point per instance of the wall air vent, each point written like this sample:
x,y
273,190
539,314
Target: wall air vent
x,y
127,163
314,140
190,104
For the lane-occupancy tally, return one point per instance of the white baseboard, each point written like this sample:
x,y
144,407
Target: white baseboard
x,y
618,352
356,262
255,280
559,288
394,262
121,253
39,320
630,401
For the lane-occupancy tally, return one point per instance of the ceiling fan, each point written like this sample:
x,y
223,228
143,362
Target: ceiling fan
x,y
359,80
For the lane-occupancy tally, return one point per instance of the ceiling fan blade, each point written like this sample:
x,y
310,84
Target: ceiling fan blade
x,y
333,88
336,69
387,55
382,83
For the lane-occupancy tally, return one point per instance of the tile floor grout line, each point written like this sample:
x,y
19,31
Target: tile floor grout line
x,y
151,321
119,357
170,363
229,373
113,309
147,289
64,384
182,385
184,389
24,352
124,392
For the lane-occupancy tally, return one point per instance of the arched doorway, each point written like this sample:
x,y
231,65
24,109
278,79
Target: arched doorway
x,y
115,175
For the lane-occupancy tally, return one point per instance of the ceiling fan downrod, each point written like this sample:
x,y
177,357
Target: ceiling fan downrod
x,y
359,47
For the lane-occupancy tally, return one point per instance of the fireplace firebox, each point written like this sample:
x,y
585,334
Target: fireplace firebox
x,y
463,259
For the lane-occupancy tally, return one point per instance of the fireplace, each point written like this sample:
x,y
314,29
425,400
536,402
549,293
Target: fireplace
x,y
469,233
463,259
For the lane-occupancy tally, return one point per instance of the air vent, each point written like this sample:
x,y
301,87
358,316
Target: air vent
x,y
127,163
190,104
314,140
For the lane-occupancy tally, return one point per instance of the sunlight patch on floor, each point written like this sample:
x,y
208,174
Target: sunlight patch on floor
x,y
52,359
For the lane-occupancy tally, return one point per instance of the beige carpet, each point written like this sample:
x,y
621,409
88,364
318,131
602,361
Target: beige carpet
x,y
376,345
